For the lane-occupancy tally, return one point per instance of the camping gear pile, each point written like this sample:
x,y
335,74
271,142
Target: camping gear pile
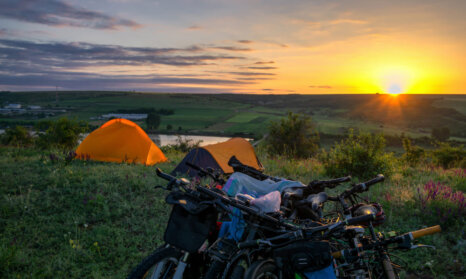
x,y
247,224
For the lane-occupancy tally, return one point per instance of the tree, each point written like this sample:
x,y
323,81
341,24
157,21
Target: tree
x,y
169,127
293,136
441,134
153,121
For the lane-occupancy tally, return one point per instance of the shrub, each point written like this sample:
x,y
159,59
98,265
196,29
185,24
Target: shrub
x,y
361,156
18,136
449,156
294,136
413,154
441,203
63,133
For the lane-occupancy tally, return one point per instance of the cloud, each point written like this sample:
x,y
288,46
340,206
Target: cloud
x,y
347,21
78,54
264,62
75,80
254,78
195,27
27,64
58,13
262,68
252,74
232,48
321,86
245,41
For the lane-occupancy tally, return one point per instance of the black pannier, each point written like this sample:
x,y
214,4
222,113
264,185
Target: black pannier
x,y
305,256
189,223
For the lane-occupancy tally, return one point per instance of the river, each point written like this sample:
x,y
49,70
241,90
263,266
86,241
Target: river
x,y
163,140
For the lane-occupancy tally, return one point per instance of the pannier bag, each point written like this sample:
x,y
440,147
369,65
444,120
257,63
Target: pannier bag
x,y
189,223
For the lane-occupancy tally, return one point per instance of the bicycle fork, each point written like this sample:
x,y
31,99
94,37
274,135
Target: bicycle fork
x,y
181,266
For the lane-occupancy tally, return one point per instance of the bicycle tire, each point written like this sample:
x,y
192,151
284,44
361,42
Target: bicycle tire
x,y
238,272
215,270
141,271
266,269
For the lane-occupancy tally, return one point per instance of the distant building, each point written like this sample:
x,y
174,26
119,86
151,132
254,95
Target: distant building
x,y
13,106
34,107
129,116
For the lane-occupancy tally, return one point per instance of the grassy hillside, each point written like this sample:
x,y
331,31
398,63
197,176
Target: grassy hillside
x,y
237,114
98,220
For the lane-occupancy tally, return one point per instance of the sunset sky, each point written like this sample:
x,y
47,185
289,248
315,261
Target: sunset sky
x,y
281,47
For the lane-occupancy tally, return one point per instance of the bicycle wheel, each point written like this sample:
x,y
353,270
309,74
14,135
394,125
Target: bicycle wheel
x,y
161,263
266,269
385,269
215,270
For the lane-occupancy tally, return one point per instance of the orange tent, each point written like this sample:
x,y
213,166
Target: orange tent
x,y
217,156
120,140
238,147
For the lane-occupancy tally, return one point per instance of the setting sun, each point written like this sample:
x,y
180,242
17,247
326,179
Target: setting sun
x,y
395,89
395,79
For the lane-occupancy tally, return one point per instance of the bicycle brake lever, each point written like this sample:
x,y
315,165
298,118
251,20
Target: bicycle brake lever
x,y
266,242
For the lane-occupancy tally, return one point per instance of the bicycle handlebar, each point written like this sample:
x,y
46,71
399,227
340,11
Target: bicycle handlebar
x,y
330,182
206,172
404,242
305,233
360,187
248,170
365,185
317,186
163,175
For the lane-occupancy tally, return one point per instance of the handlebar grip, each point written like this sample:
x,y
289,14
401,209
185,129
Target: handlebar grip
x,y
163,175
426,231
360,219
343,179
375,180
248,244
364,186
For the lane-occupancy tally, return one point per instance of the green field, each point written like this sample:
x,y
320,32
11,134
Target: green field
x,y
250,115
98,220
